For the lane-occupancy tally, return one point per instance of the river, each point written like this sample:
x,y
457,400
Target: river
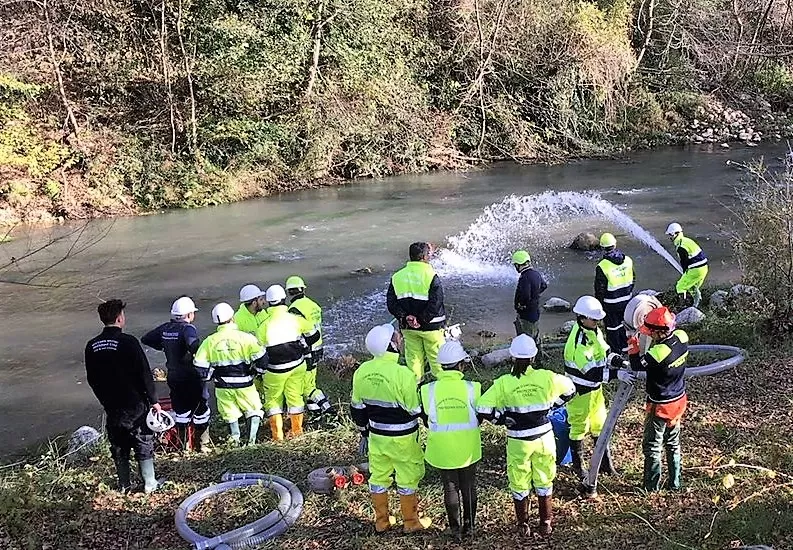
x,y
326,234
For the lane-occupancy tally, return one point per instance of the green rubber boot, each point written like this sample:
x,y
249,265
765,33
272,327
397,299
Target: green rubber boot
x,y
146,469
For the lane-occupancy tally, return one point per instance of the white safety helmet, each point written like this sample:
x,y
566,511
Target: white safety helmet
x,y
523,346
183,306
222,313
590,307
379,338
159,422
673,229
451,353
250,292
275,294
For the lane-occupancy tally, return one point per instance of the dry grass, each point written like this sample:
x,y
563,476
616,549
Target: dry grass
x,y
741,416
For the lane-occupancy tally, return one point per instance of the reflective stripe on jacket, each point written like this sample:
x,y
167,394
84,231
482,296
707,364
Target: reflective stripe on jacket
x,y
230,357
384,398
585,355
619,280
522,403
665,363
690,253
309,310
449,403
284,336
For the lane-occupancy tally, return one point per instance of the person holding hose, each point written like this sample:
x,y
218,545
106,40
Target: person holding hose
x,y
231,358
692,260
521,400
302,305
385,408
415,299
288,339
454,444
588,364
527,297
614,279
665,364
178,339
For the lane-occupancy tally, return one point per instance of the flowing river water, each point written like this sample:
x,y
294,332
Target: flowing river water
x,y
477,218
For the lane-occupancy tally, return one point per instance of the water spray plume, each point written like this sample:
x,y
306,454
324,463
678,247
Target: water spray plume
x,y
535,218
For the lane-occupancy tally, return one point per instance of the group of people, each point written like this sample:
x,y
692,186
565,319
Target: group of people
x,y
263,358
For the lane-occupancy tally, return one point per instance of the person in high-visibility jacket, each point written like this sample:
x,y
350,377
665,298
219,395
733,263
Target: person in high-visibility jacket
x,y
614,278
287,339
665,364
693,261
385,407
231,358
252,313
589,363
454,444
302,305
252,310
521,401
415,299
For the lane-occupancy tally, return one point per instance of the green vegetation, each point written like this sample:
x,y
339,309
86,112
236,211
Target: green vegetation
x,y
112,107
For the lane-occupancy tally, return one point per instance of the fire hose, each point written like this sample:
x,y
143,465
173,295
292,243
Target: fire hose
x,y
624,391
289,508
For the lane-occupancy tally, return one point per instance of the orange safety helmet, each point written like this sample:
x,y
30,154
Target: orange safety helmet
x,y
659,319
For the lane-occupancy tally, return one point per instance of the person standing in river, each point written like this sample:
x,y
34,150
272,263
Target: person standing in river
x,y
178,338
527,298
119,374
693,261
415,299
614,278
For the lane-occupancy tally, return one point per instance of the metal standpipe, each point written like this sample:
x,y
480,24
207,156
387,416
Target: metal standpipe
x,y
625,390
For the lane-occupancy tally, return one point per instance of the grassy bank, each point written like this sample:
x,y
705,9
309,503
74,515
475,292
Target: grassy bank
x,y
735,425
118,107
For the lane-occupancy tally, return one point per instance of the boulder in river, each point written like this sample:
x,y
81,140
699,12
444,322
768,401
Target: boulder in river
x,y
689,316
362,271
585,241
556,305
496,357
567,327
718,300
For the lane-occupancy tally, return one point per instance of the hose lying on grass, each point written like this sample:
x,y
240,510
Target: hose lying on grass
x,y
289,508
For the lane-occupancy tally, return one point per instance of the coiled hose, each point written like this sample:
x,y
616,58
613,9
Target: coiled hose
x,y
289,508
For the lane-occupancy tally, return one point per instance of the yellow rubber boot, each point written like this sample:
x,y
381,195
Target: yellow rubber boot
x,y
277,427
382,520
410,514
296,429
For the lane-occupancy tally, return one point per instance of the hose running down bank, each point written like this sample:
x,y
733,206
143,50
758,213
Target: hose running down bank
x,y
289,508
625,390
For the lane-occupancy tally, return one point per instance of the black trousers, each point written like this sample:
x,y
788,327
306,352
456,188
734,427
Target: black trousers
x,y
459,486
615,330
138,439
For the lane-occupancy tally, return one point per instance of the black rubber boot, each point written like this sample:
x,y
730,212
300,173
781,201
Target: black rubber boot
x,y
577,451
123,473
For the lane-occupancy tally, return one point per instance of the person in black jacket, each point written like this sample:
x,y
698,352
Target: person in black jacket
x,y
119,374
178,338
527,298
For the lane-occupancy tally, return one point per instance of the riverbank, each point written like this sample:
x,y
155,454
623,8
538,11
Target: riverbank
x,y
120,108
734,432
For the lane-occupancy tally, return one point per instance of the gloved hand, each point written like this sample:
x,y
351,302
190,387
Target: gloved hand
x,y
363,446
633,345
616,361
627,376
